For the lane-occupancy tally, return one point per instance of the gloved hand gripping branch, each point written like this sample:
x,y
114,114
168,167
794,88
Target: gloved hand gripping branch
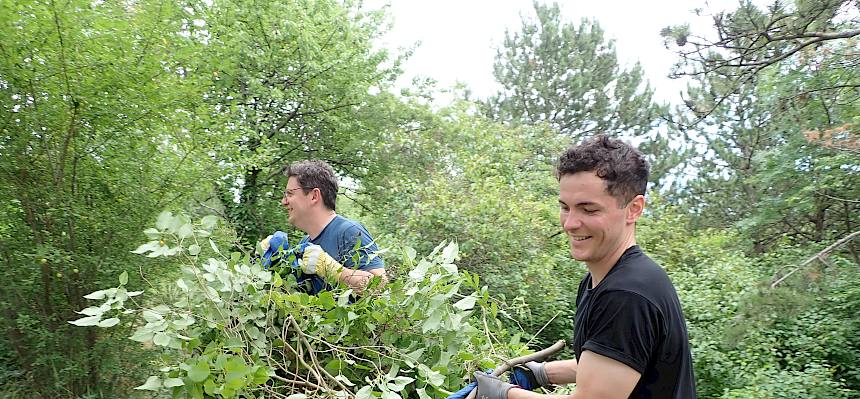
x,y
530,375
309,257
319,262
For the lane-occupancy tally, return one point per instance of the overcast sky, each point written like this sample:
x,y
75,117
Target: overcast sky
x,y
458,38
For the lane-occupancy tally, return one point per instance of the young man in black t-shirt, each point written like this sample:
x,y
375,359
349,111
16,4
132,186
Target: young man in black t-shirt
x,y
630,337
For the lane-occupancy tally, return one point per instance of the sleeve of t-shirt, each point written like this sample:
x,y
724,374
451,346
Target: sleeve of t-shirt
x,y
360,249
624,326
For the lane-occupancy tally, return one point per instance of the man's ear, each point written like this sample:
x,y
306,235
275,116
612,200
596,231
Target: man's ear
x,y
635,208
316,195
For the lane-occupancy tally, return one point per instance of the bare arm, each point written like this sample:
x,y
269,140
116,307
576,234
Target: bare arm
x,y
358,279
598,376
561,372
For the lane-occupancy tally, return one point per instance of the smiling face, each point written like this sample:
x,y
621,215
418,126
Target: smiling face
x,y
297,202
599,230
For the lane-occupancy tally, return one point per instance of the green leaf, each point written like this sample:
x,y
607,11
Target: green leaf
x,y
432,322
399,383
164,220
123,278
214,247
100,294
466,303
297,396
364,393
185,231
152,383
435,378
390,395
173,382
109,322
161,339
94,310
449,254
326,300
142,335
209,222
150,246
194,250
87,321
199,372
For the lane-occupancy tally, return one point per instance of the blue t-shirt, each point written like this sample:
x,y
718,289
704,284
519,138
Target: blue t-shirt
x,y
349,243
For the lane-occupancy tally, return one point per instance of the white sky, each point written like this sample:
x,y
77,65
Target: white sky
x,y
458,38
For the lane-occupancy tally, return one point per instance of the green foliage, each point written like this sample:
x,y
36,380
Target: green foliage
x,y
774,122
491,189
749,340
91,106
235,330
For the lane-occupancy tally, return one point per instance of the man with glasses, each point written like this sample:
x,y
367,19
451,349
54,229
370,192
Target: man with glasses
x,y
335,249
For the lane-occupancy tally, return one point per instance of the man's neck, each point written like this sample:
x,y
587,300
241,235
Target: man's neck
x,y
319,223
601,268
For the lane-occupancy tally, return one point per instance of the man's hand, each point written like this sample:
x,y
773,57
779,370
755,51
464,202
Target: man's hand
x,y
462,393
316,261
531,375
490,387
265,243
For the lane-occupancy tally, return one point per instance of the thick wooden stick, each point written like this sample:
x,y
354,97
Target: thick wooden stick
x,y
540,355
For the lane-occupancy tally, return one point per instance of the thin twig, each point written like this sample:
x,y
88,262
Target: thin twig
x,y
819,256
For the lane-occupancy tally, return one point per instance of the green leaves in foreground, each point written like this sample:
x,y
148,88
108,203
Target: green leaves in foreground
x,y
236,330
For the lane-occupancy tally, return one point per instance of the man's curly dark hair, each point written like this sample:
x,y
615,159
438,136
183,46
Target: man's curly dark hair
x,y
622,166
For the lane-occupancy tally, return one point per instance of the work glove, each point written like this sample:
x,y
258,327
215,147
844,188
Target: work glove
x,y
272,246
531,375
490,387
316,261
461,394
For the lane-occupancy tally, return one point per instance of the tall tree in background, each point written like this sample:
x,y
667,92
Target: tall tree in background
x,y
289,81
95,140
568,76
773,113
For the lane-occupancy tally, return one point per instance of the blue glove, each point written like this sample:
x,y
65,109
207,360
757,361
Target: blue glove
x,y
277,247
461,394
531,375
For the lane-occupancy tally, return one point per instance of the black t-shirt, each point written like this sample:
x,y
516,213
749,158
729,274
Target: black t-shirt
x,y
634,316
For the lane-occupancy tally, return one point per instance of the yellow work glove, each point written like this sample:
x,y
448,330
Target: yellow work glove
x,y
316,261
265,243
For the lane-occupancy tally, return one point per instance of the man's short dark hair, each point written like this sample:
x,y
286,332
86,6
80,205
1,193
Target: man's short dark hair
x,y
622,166
313,174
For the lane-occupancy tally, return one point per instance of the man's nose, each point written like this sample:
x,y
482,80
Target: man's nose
x,y
571,222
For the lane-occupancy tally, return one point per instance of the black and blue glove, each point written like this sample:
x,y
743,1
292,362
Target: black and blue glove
x,y
461,394
276,247
531,375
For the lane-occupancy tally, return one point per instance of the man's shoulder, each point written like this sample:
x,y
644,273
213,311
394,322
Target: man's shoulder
x,y
346,226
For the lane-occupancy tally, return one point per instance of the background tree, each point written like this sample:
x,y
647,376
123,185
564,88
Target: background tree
x,y
95,138
568,76
764,111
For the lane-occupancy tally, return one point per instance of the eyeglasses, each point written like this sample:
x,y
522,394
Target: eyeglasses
x,y
289,192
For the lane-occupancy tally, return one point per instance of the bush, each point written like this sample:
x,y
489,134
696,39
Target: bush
x,y
232,329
